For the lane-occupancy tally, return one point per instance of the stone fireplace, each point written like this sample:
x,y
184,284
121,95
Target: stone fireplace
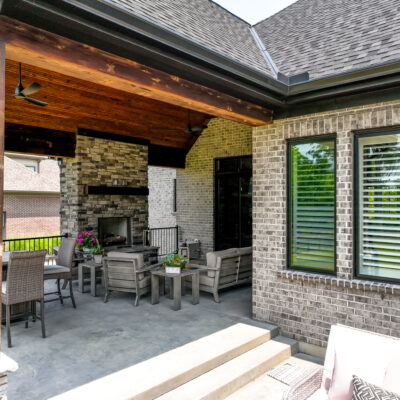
x,y
106,181
114,231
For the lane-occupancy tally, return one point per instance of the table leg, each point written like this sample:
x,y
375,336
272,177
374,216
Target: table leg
x,y
93,281
80,278
162,285
196,288
155,289
177,293
171,288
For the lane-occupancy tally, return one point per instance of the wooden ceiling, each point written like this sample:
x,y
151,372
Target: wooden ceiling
x,y
76,103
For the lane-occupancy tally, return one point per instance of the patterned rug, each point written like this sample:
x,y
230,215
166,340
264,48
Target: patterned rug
x,y
288,373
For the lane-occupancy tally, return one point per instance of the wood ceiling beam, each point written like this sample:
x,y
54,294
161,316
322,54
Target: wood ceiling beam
x,y
43,49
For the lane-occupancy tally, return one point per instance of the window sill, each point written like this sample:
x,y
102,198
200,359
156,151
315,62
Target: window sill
x,y
359,284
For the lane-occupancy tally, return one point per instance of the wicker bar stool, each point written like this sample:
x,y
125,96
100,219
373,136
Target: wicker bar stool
x,y
24,284
62,270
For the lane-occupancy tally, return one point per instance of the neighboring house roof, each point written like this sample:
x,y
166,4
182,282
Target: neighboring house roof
x,y
316,36
18,178
204,22
328,37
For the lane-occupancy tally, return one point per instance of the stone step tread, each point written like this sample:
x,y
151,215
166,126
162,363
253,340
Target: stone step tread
x,y
265,387
229,377
163,373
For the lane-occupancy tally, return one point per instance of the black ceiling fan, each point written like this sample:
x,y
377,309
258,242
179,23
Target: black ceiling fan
x,y
24,93
191,130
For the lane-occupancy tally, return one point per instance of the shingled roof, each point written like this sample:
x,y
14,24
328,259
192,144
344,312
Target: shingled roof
x,y
204,22
318,36
328,37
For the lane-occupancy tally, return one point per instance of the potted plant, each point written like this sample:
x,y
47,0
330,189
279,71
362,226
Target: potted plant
x,y
173,263
86,242
97,254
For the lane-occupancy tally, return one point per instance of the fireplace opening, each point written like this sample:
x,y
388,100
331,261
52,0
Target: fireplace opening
x,y
114,231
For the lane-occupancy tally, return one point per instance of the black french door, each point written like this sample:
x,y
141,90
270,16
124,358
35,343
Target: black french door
x,y
233,202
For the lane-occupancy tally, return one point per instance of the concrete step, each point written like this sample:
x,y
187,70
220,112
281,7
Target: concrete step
x,y
265,387
234,374
159,375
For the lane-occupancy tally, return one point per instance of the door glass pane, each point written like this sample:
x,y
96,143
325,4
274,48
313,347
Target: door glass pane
x,y
379,206
228,212
312,205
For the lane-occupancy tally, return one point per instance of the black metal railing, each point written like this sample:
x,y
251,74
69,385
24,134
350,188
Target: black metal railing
x,y
31,244
166,239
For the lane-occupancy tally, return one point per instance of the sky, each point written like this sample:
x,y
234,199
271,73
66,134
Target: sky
x,y
254,11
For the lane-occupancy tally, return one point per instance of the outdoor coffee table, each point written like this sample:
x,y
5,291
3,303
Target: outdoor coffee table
x,y
176,289
93,267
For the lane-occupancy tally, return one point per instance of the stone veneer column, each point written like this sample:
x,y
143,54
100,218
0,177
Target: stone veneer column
x,y
103,162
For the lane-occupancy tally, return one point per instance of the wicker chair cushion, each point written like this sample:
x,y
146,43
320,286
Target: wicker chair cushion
x,y
55,269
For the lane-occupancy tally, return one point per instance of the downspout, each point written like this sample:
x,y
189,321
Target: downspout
x,y
273,67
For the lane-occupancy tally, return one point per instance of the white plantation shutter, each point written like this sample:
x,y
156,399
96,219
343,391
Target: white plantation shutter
x,y
379,206
312,205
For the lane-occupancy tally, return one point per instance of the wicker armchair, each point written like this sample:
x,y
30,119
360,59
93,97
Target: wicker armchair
x,y
24,284
62,269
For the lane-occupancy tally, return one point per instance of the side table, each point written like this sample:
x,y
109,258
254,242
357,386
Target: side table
x,y
93,267
176,285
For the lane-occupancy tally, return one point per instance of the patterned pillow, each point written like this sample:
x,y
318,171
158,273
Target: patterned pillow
x,y
366,391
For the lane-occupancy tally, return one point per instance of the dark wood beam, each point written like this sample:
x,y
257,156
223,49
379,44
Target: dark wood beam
x,y
2,127
163,156
117,190
46,50
39,141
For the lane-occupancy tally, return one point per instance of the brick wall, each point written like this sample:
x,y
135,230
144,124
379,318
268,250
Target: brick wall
x,y
103,162
161,197
31,215
195,183
305,305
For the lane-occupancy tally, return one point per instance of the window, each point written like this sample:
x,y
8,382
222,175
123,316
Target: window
x,y
311,204
31,168
377,205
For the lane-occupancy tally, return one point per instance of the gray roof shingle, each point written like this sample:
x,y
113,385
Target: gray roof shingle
x,y
326,37
205,23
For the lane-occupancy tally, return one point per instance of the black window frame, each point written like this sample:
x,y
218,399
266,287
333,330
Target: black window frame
x,y
289,222
356,197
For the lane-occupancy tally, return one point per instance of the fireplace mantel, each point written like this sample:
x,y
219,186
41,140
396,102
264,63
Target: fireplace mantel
x,y
116,190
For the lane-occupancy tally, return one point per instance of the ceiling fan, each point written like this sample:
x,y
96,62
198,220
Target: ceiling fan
x,y
191,130
24,93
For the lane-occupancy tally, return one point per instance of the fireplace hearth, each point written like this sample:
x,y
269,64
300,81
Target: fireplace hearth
x,y
114,231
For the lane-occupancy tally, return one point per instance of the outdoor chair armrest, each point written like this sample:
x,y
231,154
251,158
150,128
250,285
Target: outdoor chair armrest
x,y
149,267
206,267
303,389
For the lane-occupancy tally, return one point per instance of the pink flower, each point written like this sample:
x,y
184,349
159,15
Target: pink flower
x,y
80,240
89,234
93,239
86,233
79,236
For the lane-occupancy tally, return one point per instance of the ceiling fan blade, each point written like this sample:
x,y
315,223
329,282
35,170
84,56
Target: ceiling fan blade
x,y
32,88
34,101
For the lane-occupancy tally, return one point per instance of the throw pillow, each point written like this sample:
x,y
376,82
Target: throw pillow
x,y
366,391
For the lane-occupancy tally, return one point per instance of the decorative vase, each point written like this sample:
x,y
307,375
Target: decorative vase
x,y
98,258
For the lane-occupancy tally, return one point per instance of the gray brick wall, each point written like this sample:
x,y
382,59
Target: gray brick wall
x,y
161,197
195,183
305,305
103,162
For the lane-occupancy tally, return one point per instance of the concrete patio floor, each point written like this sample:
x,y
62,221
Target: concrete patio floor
x,y
97,339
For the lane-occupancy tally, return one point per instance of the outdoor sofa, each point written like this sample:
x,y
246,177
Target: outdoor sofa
x,y
352,352
225,268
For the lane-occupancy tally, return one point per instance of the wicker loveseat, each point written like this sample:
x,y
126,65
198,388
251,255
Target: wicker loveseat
x,y
372,357
226,268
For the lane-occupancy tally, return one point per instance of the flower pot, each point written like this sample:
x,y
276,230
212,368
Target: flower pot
x,y
98,258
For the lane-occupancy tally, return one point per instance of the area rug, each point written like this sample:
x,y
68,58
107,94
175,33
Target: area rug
x,y
289,373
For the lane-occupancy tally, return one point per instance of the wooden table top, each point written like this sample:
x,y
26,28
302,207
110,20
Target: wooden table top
x,y
184,272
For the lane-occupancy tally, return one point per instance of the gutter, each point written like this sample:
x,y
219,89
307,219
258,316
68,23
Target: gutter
x,y
103,25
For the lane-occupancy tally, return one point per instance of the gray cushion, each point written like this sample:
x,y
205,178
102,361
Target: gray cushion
x,y
128,256
245,250
55,269
213,255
